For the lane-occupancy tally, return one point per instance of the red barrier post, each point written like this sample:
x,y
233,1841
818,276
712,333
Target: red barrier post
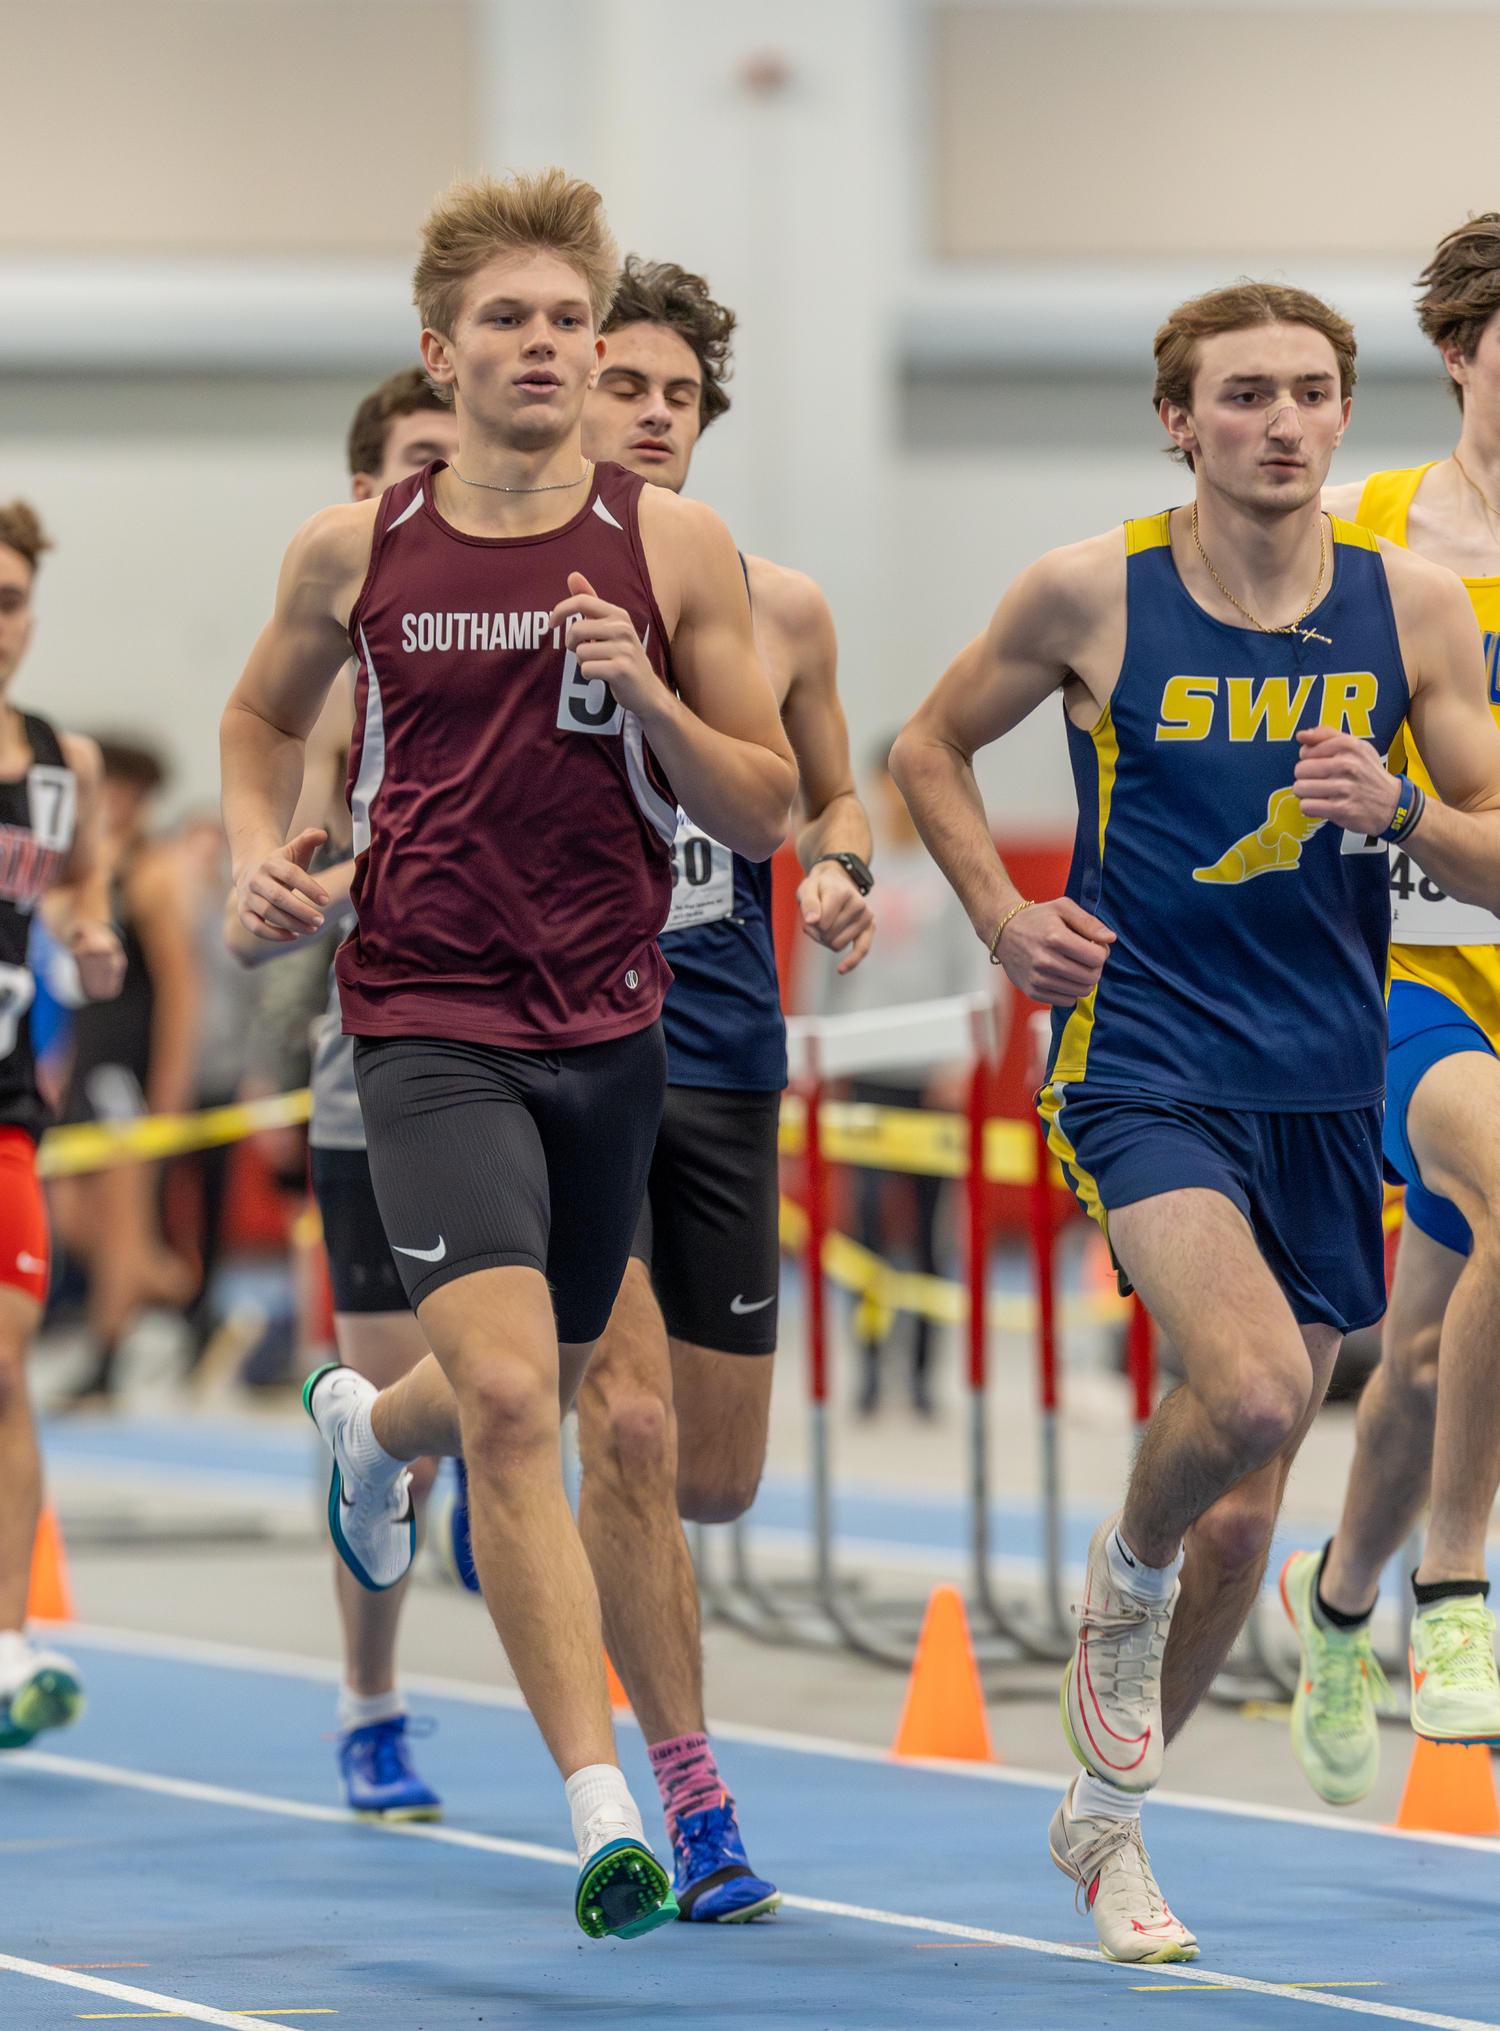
x,y
817,1229
978,1235
1140,1354
1042,1258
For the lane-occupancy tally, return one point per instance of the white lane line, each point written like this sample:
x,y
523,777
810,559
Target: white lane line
x,y
170,2006
457,1837
318,1671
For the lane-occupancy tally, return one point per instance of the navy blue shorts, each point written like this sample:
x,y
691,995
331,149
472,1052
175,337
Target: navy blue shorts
x,y
1309,1184
1425,1028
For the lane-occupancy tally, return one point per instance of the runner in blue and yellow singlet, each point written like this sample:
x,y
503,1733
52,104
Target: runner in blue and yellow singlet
x,y
1233,674
1431,1412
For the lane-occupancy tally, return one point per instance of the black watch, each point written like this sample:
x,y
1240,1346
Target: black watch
x,y
853,866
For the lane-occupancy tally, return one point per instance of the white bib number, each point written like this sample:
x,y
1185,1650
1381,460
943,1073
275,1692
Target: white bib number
x,y
1421,914
52,805
17,990
702,878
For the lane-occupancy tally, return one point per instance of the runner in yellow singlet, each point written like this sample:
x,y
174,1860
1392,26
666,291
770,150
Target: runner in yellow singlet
x,y
1430,1415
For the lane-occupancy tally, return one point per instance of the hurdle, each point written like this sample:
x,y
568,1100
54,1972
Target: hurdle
x,y
979,1149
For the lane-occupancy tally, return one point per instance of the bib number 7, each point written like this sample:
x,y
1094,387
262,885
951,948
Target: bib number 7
x,y
17,991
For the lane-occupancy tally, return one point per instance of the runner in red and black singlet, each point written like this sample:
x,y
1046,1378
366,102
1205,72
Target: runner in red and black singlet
x,y
513,807
49,862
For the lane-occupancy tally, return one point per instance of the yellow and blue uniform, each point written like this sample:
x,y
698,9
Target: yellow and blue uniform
x,y
1445,993
1236,1039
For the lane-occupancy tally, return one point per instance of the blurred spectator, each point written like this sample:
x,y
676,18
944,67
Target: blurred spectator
x,y
924,948
227,1019
135,1055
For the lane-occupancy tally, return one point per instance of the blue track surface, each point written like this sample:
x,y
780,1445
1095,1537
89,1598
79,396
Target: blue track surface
x,y
242,1909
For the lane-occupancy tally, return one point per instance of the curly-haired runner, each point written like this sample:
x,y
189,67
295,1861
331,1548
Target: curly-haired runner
x,y
1429,1418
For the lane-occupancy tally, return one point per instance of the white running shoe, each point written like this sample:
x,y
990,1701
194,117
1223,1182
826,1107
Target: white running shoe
x,y
373,1525
1107,1859
41,1689
1111,1691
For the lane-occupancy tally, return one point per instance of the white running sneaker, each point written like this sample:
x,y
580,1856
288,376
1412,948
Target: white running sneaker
x,y
1107,1859
373,1525
1111,1690
39,1689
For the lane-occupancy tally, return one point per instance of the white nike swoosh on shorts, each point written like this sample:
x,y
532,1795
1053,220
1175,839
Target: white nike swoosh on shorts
x,y
738,1306
424,1254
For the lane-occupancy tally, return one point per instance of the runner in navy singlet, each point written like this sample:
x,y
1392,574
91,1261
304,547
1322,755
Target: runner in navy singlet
x,y
1232,675
700,1293
49,861
552,658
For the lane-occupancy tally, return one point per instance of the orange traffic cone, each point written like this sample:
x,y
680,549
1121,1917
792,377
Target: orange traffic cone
x,y
1450,1789
50,1598
944,1712
619,1699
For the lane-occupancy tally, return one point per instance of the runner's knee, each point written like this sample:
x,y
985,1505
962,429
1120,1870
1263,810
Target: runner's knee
x,y
507,1412
1235,1534
1261,1409
1410,1360
715,1487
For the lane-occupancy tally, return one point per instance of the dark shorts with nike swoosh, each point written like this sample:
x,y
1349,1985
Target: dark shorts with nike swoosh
x,y
363,1272
488,1158
709,1231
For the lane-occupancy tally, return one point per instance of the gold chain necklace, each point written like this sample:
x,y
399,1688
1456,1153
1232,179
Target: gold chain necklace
x,y
1292,627
1476,486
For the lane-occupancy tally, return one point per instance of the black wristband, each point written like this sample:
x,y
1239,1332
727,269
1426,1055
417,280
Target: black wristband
x,y
1410,800
853,866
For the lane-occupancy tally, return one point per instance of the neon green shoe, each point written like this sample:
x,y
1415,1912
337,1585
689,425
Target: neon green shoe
x,y
1340,1689
1455,1688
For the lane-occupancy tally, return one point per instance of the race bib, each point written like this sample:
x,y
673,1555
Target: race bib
x,y
17,991
1421,914
52,805
702,878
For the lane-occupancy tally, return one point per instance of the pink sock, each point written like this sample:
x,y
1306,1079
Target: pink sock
x,y
687,1777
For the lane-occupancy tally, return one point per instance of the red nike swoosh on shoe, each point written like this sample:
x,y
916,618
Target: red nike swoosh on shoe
x,y
1125,1741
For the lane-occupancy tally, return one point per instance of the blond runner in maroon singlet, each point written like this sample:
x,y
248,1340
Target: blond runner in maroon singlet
x,y
551,658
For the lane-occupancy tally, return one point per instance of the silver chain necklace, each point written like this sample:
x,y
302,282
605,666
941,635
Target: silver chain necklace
x,y
553,486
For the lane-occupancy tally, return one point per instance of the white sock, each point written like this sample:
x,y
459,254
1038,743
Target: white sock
x,y
1133,1576
367,1455
15,1650
1096,1798
363,1710
596,1785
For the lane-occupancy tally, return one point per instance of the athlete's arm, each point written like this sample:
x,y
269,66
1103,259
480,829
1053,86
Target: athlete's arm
x,y
77,910
1342,779
1060,627
271,712
325,763
720,741
833,910
251,950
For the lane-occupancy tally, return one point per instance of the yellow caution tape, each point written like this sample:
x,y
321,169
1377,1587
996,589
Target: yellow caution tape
x,y
100,1145
886,1289
912,1139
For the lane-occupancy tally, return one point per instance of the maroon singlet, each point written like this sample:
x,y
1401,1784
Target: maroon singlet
x,y
512,829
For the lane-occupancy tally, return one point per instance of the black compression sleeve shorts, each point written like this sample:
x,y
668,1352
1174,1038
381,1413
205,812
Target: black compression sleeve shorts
x,y
486,1158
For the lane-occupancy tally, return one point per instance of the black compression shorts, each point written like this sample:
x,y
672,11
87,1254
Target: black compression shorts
x,y
361,1267
487,1158
708,1230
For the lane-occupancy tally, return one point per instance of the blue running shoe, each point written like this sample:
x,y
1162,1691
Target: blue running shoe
x,y
450,1523
712,1879
379,1780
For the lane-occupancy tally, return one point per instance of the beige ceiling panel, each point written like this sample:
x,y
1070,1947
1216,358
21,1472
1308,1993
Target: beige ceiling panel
x,y
241,126
1169,131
